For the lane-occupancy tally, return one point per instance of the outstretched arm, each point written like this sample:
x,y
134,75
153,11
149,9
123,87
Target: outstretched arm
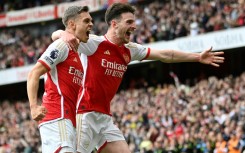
x,y
37,112
173,56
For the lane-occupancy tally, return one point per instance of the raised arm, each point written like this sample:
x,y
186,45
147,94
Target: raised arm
x,y
37,112
173,56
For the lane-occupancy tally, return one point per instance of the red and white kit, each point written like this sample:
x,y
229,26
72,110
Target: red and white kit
x,y
104,65
62,84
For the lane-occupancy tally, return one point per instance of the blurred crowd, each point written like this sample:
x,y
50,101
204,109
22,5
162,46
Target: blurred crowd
x,y
13,5
19,48
157,20
170,118
206,118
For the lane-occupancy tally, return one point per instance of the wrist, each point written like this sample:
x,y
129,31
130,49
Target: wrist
x,y
199,58
33,105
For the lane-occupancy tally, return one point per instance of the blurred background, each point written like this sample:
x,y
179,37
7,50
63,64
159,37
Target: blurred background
x,y
161,108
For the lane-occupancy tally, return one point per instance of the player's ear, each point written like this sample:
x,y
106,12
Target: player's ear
x,y
114,23
71,24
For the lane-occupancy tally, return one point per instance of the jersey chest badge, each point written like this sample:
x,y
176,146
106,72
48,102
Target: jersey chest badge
x,y
126,58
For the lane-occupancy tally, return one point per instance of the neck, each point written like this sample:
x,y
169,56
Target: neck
x,y
70,31
73,33
111,36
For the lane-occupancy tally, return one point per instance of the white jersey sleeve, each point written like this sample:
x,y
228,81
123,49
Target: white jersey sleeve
x,y
56,52
91,46
137,51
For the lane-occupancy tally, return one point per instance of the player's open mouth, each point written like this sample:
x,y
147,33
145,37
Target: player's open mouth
x,y
128,33
88,32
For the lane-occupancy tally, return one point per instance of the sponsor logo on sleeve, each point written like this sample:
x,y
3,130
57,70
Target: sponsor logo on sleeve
x,y
49,60
54,54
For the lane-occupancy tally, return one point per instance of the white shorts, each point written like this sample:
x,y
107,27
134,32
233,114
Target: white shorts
x,y
58,137
94,130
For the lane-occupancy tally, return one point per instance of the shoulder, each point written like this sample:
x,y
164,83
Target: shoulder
x,y
57,48
131,45
59,45
96,38
93,36
93,40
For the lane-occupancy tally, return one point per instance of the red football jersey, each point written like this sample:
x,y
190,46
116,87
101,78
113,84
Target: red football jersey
x,y
104,65
62,82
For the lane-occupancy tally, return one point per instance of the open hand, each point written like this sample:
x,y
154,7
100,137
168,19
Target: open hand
x,y
71,41
212,58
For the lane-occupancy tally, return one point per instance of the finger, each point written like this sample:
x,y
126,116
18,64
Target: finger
x,y
210,48
40,117
68,45
218,53
219,58
77,41
37,118
43,108
74,48
218,61
76,44
44,111
214,64
77,48
73,45
73,42
221,61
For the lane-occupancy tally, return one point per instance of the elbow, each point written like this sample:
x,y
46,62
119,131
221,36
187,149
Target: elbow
x,y
53,37
56,35
33,75
30,76
166,61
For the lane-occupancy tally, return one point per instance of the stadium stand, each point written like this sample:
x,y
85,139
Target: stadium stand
x,y
157,21
187,112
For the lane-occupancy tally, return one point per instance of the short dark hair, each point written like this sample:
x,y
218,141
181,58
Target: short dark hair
x,y
115,11
72,12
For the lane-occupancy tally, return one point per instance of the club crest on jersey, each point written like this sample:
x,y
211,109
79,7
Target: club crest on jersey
x,y
126,58
107,52
54,54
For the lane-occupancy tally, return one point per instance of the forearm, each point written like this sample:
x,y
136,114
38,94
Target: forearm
x,y
173,56
178,56
56,35
32,89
